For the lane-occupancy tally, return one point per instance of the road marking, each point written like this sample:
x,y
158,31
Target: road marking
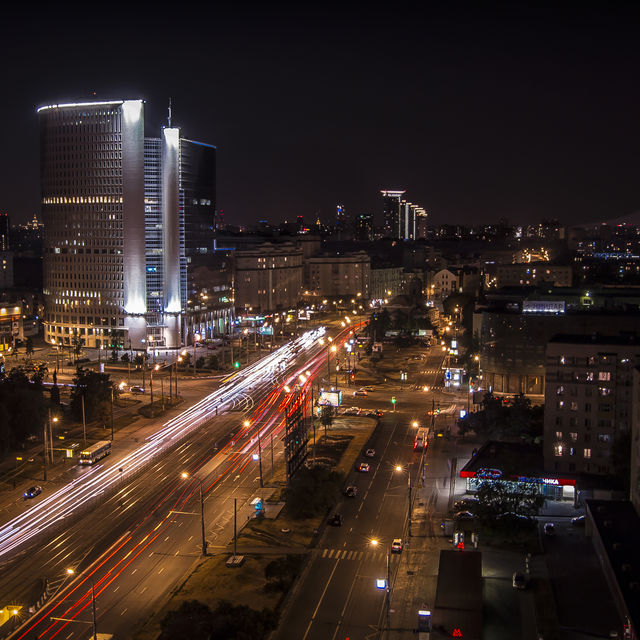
x,y
69,635
324,553
143,590
319,602
116,588
161,570
190,539
123,611
331,553
166,538
350,555
136,569
177,552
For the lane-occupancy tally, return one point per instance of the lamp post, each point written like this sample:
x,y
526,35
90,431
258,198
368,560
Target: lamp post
x,y
399,468
184,475
151,385
196,339
385,585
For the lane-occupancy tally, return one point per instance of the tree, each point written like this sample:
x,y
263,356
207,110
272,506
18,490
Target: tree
x,y
281,572
212,362
194,620
114,355
138,360
96,389
326,418
29,347
498,497
124,358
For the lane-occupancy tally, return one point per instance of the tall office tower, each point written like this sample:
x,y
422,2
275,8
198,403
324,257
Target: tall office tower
x,y
92,183
4,232
392,200
124,217
364,227
421,224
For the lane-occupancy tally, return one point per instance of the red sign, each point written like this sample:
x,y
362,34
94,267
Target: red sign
x,y
457,633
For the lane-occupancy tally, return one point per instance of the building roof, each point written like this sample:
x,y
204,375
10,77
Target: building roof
x,y
617,525
511,458
597,339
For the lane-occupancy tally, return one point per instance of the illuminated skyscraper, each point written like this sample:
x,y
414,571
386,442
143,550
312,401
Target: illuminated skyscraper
x,y
123,217
392,200
4,232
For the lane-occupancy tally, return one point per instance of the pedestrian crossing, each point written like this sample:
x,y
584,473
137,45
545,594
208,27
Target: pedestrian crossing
x,y
351,554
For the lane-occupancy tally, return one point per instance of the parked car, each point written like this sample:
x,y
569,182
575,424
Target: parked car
x,y
396,545
363,467
520,580
352,411
464,515
369,388
379,413
32,492
336,520
516,520
360,392
351,491
370,453
578,521
136,389
465,503
549,529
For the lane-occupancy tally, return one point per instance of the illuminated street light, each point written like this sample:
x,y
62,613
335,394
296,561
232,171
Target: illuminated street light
x,y
184,475
246,423
415,424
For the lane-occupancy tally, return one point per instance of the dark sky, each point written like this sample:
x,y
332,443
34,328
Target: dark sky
x,y
479,111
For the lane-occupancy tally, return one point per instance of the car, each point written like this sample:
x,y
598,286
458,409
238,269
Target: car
x,y
516,520
578,521
464,515
32,492
351,491
520,580
370,453
368,388
360,392
136,389
465,503
352,411
335,520
379,413
396,545
363,467
549,529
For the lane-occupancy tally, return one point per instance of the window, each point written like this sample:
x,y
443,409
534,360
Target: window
x,y
604,376
574,406
560,404
562,360
589,376
604,437
587,453
558,435
560,390
574,436
557,450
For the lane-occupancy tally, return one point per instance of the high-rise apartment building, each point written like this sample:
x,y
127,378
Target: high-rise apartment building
x,y
391,211
4,232
124,218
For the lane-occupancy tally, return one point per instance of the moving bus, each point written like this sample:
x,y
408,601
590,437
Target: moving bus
x,y
95,452
420,443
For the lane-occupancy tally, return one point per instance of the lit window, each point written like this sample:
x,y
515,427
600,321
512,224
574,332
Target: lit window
x,y
587,453
557,449
559,435
574,436
604,375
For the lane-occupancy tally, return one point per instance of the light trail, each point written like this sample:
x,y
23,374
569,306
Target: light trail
x,y
102,479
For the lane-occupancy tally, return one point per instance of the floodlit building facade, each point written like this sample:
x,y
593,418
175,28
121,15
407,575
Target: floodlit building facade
x,y
120,225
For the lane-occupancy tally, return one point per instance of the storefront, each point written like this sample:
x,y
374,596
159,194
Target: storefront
x,y
519,464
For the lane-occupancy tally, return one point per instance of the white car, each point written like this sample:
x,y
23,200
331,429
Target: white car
x,y
396,545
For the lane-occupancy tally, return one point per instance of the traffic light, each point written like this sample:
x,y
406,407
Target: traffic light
x,y
393,400
236,364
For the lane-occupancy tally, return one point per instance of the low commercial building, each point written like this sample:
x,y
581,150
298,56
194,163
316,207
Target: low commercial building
x,y
520,464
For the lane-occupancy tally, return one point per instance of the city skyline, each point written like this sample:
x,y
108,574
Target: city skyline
x,y
522,113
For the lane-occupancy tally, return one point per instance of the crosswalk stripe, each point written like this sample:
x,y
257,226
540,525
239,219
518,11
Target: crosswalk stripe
x,y
349,555
331,553
324,553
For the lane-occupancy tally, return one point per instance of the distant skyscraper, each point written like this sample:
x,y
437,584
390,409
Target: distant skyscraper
x,y
341,216
392,200
4,232
124,217
364,227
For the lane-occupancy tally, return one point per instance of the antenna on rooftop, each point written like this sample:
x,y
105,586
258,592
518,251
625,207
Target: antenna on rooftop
x,y
169,119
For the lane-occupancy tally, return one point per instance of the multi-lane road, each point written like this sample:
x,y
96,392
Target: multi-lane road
x,y
130,535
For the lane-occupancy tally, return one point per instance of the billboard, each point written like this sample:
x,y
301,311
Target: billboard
x,y
330,398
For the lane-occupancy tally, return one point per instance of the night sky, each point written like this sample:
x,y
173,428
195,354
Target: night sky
x,y
480,111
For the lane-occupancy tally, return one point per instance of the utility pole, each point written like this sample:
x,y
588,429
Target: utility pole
x,y
235,526
93,607
260,459
204,541
84,420
111,413
45,452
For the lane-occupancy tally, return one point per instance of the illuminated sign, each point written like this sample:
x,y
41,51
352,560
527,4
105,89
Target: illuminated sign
x,y
491,474
330,398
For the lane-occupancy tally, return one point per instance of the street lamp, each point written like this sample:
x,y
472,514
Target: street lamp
x,y
151,383
382,583
400,468
184,475
330,349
